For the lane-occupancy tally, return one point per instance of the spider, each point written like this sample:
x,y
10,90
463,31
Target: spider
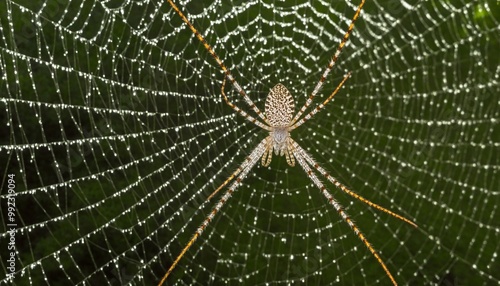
x,y
279,121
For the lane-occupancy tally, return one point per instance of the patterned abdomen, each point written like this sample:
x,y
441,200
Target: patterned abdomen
x,y
279,106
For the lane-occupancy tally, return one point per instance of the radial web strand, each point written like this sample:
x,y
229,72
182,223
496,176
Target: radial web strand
x,y
114,128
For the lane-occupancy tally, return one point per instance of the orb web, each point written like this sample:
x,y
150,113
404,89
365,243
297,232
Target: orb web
x,y
113,124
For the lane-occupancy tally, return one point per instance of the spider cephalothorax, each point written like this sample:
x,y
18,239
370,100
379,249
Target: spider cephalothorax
x,y
279,121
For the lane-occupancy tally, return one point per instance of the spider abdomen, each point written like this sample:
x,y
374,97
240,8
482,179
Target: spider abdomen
x,y
279,106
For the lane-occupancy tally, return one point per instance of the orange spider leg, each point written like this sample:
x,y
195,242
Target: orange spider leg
x,y
246,166
330,64
299,154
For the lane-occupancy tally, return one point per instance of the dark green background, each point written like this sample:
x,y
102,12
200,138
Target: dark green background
x,y
112,122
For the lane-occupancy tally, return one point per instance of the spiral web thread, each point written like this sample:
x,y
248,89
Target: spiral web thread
x,y
114,126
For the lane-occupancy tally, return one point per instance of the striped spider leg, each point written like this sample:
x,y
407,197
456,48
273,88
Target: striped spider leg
x,y
278,120
305,161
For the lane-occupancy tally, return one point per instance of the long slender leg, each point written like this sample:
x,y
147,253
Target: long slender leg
x,y
250,162
243,113
331,64
342,213
321,105
238,170
219,61
339,185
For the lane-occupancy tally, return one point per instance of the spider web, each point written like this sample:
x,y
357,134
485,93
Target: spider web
x,y
113,125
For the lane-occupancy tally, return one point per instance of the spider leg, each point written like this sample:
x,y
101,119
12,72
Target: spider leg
x,y
249,162
331,64
321,105
219,61
243,113
290,159
339,185
341,211
238,170
226,181
268,153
